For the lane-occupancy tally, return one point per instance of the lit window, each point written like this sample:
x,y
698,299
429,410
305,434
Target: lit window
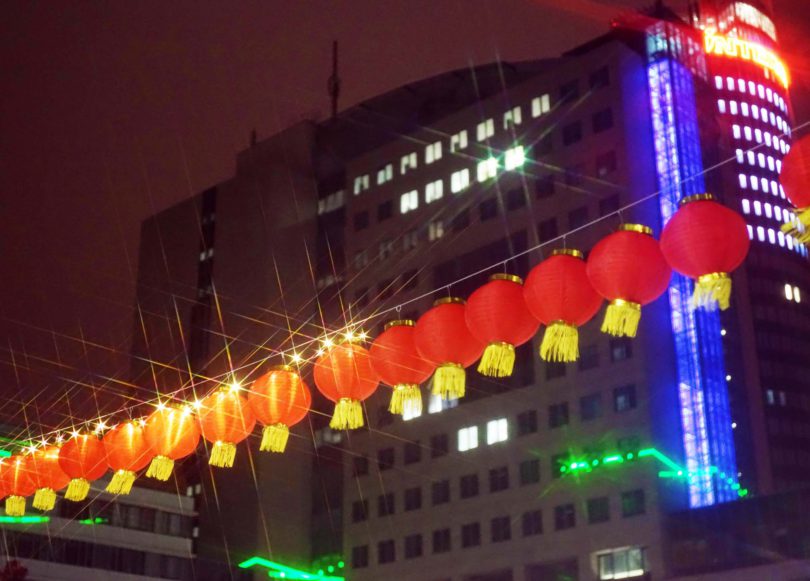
x,y
771,164
435,230
487,169
748,133
779,166
744,109
739,153
781,192
755,111
407,162
467,438
437,403
752,88
408,202
797,295
732,107
773,118
514,158
729,83
751,157
760,233
361,183
767,137
770,95
512,117
497,431
774,188
460,180
746,206
754,183
741,85
790,242
788,292
541,105
385,174
736,131
769,397
757,208
434,191
781,237
433,152
765,186
721,105
621,564
750,231
777,212
743,181
458,141
761,160
758,135
771,236
485,130
718,81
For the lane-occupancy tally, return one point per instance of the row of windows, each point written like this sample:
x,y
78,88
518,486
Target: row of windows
x,y
500,529
776,237
756,112
754,159
768,210
760,136
792,293
753,89
758,183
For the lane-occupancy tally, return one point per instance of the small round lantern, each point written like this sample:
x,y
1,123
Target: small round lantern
x,y
127,453
18,484
629,270
279,399
48,477
226,419
559,294
343,374
172,433
705,241
396,360
497,316
442,337
82,458
795,180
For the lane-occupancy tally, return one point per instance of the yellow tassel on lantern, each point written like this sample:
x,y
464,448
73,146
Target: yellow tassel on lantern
x,y
799,228
222,454
348,415
160,468
621,318
406,398
15,506
274,438
44,499
449,381
560,343
77,490
712,290
498,360
121,482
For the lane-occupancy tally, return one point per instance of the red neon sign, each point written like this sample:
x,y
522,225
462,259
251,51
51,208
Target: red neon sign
x,y
733,47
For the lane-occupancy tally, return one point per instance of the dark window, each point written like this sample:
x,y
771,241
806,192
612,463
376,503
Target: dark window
x,y
439,445
544,186
633,502
624,398
602,120
413,452
413,546
532,522
569,91
554,369
413,498
620,349
501,528
599,78
609,205
598,510
515,199
499,479
559,462
360,223
386,552
410,278
530,471
385,504
577,217
543,146
441,541
385,458
564,517
590,406
605,164
558,415
360,465
527,422
572,133
440,492
360,557
574,176
547,230
470,535
359,510
468,485
588,357
460,221
488,209
385,210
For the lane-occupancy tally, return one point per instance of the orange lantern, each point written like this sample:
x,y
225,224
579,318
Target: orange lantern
x,y
47,476
83,459
343,374
279,399
226,419
127,452
18,484
172,433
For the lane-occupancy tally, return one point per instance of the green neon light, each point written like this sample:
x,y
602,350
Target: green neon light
x,y
281,571
99,520
5,454
27,520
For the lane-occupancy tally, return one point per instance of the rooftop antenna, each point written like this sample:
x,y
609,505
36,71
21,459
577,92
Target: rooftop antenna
x,y
334,80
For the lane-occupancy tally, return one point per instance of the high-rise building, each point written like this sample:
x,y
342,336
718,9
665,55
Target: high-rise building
x,y
561,470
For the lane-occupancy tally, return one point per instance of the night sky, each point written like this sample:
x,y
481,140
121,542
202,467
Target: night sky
x,y
111,111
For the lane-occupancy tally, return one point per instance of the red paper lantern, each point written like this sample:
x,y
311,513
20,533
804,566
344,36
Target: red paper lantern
x,y
442,337
559,294
399,365
629,270
705,241
83,459
795,180
279,399
18,483
47,476
343,374
172,433
226,419
497,316
127,452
